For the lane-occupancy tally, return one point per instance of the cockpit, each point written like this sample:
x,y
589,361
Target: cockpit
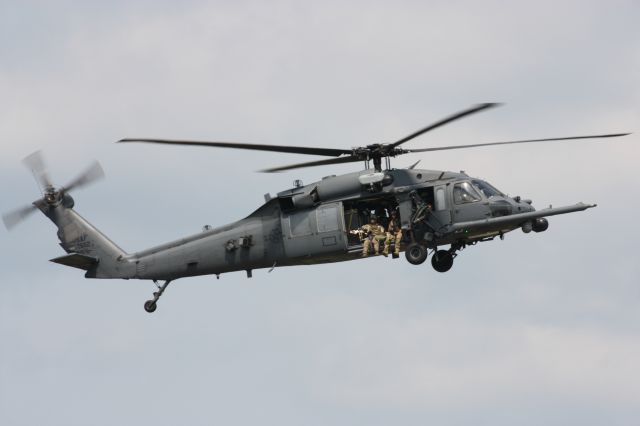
x,y
486,188
464,192
469,191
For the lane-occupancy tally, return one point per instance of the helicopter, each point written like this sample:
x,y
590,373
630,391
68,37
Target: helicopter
x,y
440,213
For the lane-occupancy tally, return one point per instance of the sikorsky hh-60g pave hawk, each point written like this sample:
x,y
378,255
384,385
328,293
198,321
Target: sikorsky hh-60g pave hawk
x,y
309,224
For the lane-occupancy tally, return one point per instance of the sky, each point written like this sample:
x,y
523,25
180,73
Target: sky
x,y
536,329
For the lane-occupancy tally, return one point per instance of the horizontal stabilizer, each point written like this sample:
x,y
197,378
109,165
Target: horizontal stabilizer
x,y
76,260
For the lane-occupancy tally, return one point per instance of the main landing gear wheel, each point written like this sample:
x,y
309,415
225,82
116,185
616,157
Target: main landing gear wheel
x,y
442,260
416,253
150,306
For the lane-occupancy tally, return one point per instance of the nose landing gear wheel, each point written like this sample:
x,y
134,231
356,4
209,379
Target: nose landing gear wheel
x,y
416,253
150,306
442,260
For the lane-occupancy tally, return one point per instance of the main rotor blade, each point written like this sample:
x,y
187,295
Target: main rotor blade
x,y
475,145
330,152
13,218
35,162
466,112
93,173
339,160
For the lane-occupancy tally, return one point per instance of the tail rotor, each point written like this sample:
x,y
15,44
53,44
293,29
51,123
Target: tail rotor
x,y
52,196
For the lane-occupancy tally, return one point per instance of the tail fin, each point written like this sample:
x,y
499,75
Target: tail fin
x,y
101,256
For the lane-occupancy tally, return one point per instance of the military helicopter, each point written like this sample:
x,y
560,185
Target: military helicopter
x,y
308,224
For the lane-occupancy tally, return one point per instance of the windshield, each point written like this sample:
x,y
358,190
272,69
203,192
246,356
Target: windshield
x,y
486,188
464,193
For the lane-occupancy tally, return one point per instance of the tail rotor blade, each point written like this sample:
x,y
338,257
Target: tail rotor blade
x,y
92,174
35,162
13,218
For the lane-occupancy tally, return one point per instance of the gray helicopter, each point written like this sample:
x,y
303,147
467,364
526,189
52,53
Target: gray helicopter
x,y
308,224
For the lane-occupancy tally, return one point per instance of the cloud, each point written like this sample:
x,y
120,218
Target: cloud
x,y
534,329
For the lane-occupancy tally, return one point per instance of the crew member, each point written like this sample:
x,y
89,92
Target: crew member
x,y
394,234
372,233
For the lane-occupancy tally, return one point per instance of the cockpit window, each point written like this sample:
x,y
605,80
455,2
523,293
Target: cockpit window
x,y
486,188
463,193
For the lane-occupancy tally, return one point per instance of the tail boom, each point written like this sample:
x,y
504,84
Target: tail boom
x,y
85,242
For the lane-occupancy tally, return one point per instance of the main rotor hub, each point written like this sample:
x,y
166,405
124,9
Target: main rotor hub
x,y
375,152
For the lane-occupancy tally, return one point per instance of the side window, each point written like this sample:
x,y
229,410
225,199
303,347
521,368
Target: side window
x,y
464,193
327,218
300,224
441,203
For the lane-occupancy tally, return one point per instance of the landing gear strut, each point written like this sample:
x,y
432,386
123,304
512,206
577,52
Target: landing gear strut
x,y
442,260
152,305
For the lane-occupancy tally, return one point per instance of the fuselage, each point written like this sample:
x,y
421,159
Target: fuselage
x,y
310,224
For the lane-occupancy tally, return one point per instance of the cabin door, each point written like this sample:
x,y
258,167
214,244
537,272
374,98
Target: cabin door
x,y
467,203
441,213
314,231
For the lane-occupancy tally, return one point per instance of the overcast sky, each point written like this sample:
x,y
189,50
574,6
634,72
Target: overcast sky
x,y
535,329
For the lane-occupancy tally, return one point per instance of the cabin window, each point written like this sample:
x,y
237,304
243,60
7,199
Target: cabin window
x,y
441,203
327,217
300,224
464,193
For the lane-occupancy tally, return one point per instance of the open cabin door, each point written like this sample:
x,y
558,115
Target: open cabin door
x,y
358,212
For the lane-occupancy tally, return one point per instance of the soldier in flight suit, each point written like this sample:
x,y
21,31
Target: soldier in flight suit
x,y
394,234
372,233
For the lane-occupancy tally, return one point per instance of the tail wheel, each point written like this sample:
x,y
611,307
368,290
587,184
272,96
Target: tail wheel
x,y
150,306
416,253
442,260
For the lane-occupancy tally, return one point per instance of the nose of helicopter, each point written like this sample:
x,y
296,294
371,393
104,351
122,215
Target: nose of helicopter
x,y
523,206
505,206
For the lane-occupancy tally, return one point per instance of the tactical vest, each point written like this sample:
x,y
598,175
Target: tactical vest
x,y
374,230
